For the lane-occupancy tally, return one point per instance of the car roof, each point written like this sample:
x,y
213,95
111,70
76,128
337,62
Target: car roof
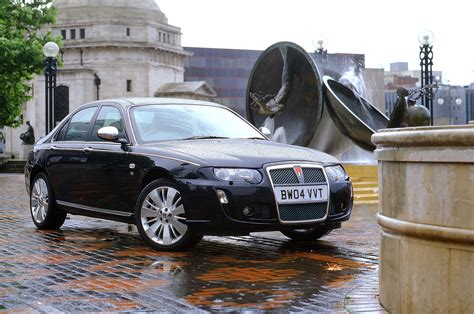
x,y
133,101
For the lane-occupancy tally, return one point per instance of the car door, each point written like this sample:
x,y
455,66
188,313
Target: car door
x,y
67,156
107,170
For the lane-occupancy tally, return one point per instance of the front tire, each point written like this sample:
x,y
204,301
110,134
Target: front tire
x,y
310,234
160,217
44,211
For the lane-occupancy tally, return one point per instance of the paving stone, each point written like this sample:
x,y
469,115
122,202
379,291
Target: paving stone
x,y
93,265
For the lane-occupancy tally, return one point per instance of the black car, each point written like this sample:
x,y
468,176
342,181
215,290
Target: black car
x,y
181,169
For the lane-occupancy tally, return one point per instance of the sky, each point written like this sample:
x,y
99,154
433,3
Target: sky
x,y
385,31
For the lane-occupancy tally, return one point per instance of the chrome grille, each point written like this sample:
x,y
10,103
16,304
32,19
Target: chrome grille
x,y
284,176
301,212
288,176
314,175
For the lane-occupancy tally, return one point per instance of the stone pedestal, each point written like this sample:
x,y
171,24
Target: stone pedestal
x,y
24,151
426,211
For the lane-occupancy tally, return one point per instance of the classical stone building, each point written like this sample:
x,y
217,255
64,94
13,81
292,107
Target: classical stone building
x,y
198,90
127,44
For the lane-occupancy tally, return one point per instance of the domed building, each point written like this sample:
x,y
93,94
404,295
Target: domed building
x,y
111,48
127,44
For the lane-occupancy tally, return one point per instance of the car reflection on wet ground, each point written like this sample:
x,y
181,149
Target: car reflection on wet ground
x,y
98,265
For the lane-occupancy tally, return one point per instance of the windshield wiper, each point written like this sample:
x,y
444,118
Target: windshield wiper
x,y
204,137
254,138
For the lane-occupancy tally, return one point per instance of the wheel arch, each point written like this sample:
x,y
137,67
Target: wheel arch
x,y
34,172
153,174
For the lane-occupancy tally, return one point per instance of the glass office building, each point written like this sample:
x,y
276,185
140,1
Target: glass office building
x,y
226,70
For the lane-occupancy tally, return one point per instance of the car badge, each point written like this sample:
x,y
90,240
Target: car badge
x,y
299,174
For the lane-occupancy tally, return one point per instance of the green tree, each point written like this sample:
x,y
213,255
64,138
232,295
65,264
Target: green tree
x,y
21,51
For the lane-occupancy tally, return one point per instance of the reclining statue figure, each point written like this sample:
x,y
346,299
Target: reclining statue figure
x,y
273,104
406,112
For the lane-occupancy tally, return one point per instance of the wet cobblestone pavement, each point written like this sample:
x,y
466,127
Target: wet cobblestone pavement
x,y
98,265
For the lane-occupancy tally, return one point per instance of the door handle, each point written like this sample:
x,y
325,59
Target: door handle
x,y
88,150
54,148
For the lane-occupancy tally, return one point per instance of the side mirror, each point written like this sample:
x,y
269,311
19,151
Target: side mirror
x,y
265,131
108,133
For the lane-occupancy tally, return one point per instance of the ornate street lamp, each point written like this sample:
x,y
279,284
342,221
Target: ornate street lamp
x,y
97,82
321,52
50,51
426,38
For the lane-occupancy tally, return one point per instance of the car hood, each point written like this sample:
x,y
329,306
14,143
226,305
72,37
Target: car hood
x,y
245,153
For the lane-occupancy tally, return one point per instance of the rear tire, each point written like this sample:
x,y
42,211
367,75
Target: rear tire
x,y
44,211
310,234
161,218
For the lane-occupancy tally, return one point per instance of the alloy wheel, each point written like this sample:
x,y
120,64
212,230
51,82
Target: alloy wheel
x,y
162,216
39,200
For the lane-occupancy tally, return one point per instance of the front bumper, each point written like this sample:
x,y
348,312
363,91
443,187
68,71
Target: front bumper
x,y
206,215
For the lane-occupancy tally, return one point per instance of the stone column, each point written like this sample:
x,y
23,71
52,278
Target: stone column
x,y
426,214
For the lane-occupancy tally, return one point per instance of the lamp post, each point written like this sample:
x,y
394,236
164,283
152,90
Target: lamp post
x,y
425,38
321,52
97,82
50,51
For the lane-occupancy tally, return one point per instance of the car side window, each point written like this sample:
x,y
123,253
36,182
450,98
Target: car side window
x,y
62,132
79,125
108,116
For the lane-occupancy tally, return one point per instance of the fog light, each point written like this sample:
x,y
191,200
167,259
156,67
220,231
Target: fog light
x,y
222,197
343,206
248,211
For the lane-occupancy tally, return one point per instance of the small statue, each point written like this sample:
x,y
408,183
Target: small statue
x,y
399,113
28,137
406,112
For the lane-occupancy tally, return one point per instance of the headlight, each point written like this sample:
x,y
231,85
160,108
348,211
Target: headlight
x,y
240,175
335,173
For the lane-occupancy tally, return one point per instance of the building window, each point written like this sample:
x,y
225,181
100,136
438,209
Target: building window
x,y
159,36
63,33
128,31
129,85
168,38
73,34
82,33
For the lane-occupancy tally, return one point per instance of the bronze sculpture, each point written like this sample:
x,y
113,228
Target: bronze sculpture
x,y
406,112
28,137
287,95
354,116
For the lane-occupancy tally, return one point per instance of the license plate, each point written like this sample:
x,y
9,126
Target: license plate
x,y
301,194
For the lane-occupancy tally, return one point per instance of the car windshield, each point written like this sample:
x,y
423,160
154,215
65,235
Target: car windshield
x,y
155,123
